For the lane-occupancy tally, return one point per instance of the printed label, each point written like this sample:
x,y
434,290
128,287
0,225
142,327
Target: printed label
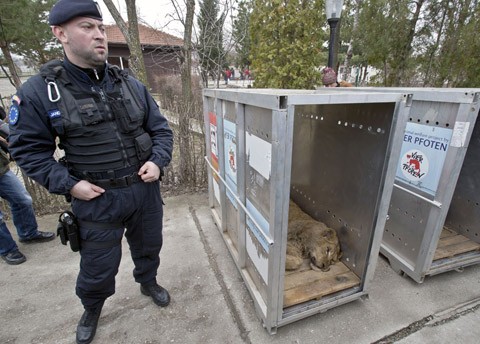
x,y
423,155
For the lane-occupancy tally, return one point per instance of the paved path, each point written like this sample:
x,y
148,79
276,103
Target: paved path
x,y
210,303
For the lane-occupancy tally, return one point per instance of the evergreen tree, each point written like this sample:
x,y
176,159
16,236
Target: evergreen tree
x,y
241,33
380,35
422,43
456,60
287,40
210,40
24,31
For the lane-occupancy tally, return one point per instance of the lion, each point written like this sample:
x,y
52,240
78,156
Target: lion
x,y
310,239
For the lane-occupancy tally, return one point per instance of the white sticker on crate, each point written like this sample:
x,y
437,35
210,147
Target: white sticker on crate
x,y
259,153
460,132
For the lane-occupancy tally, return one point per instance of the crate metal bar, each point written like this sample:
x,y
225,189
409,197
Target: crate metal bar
x,y
267,237
434,203
241,183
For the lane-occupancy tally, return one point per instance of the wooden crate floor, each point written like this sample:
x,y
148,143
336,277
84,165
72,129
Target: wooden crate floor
x,y
306,284
451,244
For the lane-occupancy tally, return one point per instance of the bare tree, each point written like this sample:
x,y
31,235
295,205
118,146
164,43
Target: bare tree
x,y
347,68
183,116
407,46
187,52
209,44
130,32
13,78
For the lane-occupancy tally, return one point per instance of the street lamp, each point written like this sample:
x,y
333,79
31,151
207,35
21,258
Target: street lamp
x,y
333,9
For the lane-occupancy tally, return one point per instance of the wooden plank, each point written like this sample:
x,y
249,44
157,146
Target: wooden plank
x,y
309,276
320,288
451,244
456,249
452,240
447,232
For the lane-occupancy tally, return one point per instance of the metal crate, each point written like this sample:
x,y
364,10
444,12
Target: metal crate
x,y
434,214
334,154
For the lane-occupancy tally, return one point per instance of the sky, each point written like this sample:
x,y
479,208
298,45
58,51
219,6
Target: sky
x,y
156,13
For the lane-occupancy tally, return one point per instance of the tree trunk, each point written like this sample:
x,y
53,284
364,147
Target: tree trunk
x,y
14,78
427,79
405,53
186,71
347,68
130,32
136,55
184,138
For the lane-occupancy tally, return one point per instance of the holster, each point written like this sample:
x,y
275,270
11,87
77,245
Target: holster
x,y
68,230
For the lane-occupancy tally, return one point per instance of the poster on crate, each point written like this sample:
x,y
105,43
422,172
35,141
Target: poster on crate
x,y
230,144
422,156
213,137
214,152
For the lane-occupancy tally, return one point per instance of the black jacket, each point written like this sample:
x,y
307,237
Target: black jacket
x,y
33,140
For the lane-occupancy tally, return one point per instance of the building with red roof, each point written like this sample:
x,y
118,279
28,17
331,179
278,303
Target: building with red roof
x,y
161,52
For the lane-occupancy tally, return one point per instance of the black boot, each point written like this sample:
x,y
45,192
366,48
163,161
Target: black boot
x,y
160,295
87,326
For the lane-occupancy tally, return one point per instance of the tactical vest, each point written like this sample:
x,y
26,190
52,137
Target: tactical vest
x,y
98,131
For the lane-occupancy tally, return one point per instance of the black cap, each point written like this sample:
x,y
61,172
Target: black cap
x,y
64,10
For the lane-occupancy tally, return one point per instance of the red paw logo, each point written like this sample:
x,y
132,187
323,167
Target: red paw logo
x,y
414,165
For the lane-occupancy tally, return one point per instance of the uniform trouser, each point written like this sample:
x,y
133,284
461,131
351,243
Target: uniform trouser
x,y
139,208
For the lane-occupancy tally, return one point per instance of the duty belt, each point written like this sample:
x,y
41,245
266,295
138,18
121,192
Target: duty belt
x,y
117,182
111,179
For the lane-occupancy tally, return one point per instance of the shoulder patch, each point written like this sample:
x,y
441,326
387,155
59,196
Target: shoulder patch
x,y
54,113
16,99
13,114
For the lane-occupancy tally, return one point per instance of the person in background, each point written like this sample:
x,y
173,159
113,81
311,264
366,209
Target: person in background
x,y
329,79
21,205
116,145
247,73
227,75
3,114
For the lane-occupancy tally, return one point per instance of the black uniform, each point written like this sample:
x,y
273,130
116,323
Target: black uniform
x,y
108,129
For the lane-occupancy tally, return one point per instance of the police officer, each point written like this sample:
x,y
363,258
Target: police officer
x,y
116,143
